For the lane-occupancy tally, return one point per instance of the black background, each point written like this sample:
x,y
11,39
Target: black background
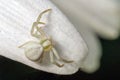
x,y
109,70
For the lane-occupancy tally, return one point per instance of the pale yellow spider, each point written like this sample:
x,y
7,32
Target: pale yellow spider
x,y
35,50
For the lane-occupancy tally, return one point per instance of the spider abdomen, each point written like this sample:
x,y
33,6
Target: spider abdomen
x,y
34,53
33,50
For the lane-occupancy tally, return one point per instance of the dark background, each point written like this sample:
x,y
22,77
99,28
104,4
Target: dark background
x,y
109,70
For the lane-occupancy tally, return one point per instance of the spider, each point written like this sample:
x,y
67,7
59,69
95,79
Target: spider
x,y
35,51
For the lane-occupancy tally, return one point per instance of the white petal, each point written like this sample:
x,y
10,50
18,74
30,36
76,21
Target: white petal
x,y
101,15
92,61
16,19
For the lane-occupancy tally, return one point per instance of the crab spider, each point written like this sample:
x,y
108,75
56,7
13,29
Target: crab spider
x,y
35,50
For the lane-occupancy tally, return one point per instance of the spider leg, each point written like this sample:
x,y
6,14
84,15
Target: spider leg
x,y
43,35
40,15
50,38
41,57
53,61
35,26
34,32
41,32
59,58
26,43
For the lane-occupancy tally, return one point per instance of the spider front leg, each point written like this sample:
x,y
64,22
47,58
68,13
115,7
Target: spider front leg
x,y
40,15
35,26
35,31
59,58
27,43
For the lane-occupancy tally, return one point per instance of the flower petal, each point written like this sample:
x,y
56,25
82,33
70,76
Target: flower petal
x,y
16,19
101,15
92,61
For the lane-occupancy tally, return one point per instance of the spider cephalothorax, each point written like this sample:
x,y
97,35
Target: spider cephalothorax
x,y
35,50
